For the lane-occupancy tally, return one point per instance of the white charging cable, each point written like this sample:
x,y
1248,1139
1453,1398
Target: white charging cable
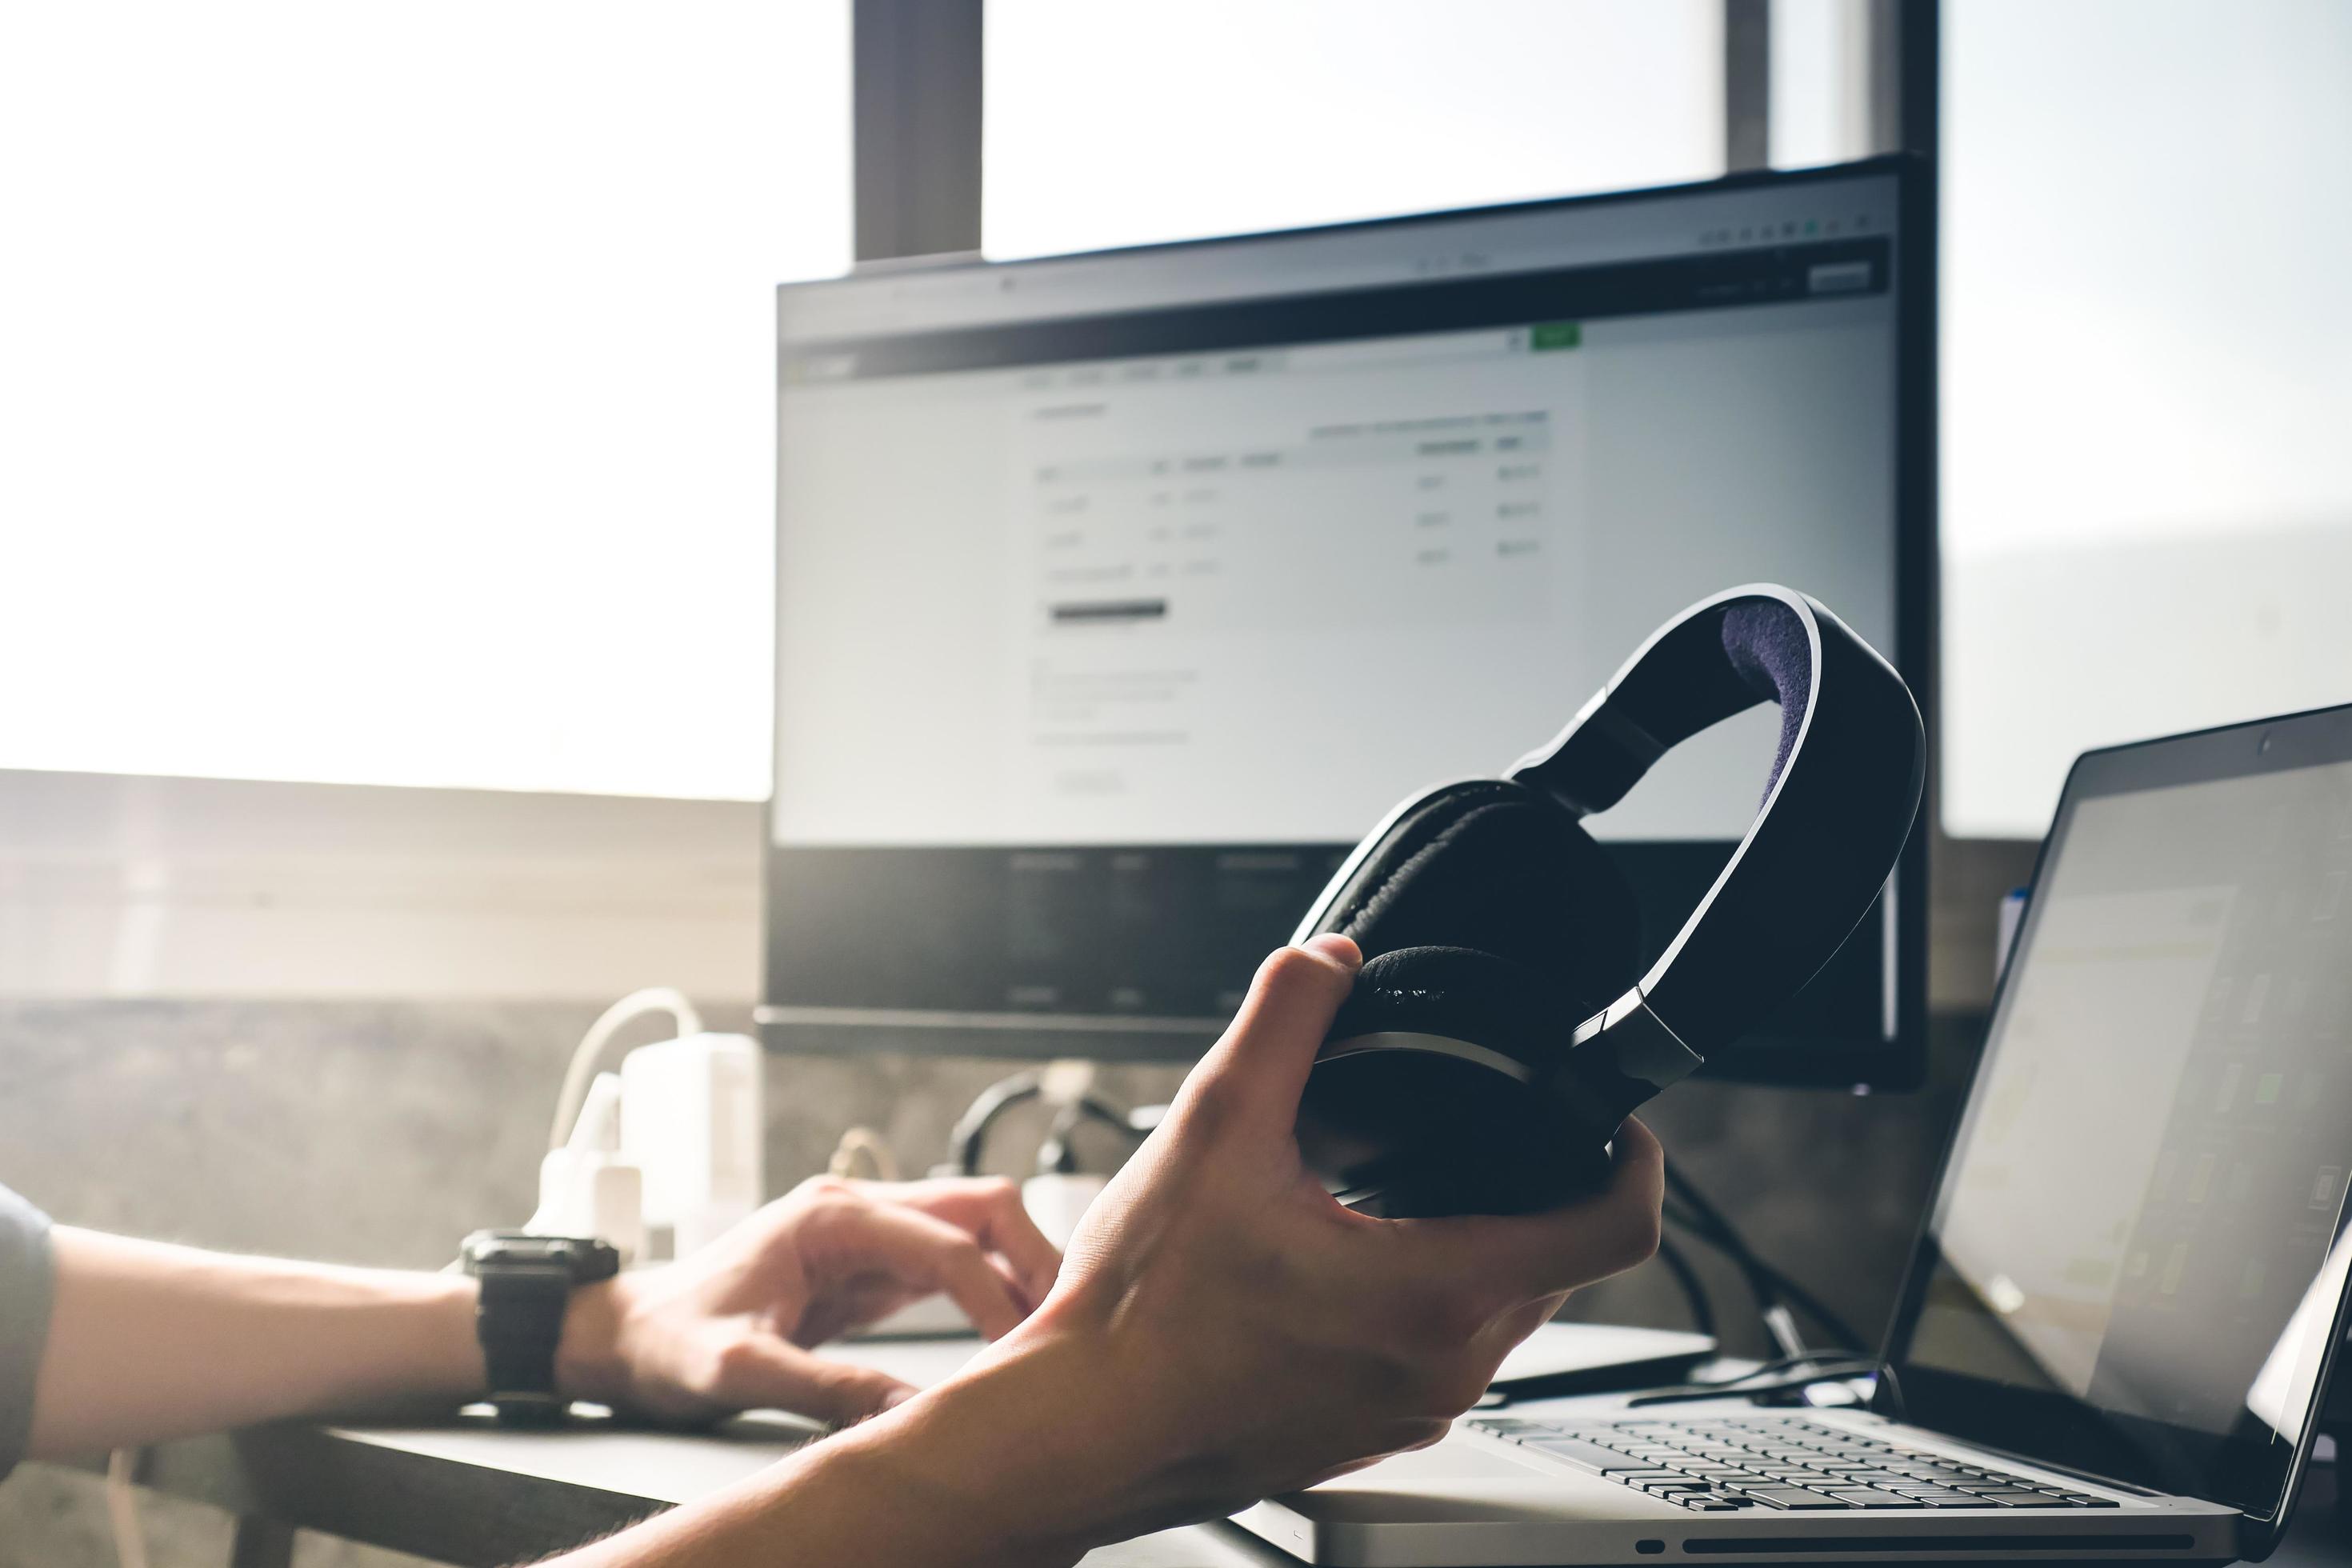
x,y
863,1147
122,1509
591,1049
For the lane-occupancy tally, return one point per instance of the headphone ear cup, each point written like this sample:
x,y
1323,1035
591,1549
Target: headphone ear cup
x,y
1496,867
1438,1093
1458,993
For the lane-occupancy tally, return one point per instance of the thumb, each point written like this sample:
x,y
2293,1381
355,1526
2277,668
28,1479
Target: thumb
x,y
765,1373
1258,1070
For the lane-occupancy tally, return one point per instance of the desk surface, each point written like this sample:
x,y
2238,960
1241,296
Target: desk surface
x,y
478,1497
471,1494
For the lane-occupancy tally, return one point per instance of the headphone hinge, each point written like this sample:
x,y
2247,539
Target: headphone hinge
x,y
1596,760
1629,1042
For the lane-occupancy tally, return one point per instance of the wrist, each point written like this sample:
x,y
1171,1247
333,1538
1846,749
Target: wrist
x,y
590,1363
1023,1456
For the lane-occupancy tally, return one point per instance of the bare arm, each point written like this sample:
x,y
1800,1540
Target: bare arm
x,y
148,1341
1224,1330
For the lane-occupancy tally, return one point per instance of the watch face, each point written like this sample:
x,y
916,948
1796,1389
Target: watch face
x,y
584,1257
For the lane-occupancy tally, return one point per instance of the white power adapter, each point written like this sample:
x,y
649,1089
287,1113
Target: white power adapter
x,y
691,1115
587,1187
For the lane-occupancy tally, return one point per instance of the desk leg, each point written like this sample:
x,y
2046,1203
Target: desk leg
x,y
261,1543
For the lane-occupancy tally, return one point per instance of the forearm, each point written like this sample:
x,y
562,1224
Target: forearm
x,y
995,1469
148,1341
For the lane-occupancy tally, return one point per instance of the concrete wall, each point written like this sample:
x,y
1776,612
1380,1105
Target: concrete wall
x,y
379,1132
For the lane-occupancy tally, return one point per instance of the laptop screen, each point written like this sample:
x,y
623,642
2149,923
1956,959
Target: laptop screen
x,y
2133,1259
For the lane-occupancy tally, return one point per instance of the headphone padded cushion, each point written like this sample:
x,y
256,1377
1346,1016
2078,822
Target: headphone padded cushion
x,y
1459,993
1412,1126
1494,867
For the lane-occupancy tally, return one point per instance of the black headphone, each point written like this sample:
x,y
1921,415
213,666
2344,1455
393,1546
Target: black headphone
x,y
1500,1028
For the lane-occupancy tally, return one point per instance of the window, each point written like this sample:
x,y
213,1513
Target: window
x,y
2147,380
1820,98
1121,125
389,389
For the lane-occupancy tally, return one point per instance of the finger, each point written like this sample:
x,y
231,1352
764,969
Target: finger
x,y
1007,1230
990,1208
1610,1232
865,1300
926,1251
1258,1070
1565,1248
763,1371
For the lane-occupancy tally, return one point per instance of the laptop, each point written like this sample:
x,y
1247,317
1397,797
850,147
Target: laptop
x,y
2130,1280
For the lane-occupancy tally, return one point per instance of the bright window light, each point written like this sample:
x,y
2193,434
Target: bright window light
x,y
1151,119
389,389
1819,102
2147,380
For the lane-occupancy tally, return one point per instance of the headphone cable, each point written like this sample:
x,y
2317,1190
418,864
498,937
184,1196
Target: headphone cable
x,y
1702,1310
1774,1291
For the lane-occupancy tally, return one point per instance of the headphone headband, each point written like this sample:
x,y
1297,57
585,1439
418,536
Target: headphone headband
x,y
1839,802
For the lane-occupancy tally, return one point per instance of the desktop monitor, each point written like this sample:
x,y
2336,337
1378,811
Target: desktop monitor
x,y
1118,594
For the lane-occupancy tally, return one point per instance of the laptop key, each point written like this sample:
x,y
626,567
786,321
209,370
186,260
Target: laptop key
x,y
1795,1499
2023,1500
1870,1497
1578,1452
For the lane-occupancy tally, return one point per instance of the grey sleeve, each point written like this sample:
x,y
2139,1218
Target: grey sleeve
x,y
26,1283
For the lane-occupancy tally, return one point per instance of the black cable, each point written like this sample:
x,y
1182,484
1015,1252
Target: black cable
x,y
968,1140
1770,1286
1808,1372
1055,1156
970,1129
1759,1284
1701,1310
1773,1286
1805,1301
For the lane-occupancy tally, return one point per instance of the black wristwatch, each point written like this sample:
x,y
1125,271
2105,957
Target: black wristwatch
x,y
526,1285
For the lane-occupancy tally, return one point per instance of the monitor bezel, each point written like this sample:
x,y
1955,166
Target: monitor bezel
x,y
1895,1061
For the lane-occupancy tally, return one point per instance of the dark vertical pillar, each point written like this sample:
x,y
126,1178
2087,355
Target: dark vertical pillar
x,y
1747,85
915,96
261,1543
1904,89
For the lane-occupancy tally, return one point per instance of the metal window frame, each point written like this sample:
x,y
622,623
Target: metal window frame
x,y
916,81
919,84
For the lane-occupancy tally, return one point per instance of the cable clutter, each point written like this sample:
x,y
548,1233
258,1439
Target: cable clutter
x,y
1057,1193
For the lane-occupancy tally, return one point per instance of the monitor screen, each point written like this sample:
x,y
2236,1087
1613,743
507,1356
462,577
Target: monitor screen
x,y
2135,1249
1118,594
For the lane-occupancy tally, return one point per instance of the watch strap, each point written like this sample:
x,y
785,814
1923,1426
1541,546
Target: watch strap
x,y
519,1321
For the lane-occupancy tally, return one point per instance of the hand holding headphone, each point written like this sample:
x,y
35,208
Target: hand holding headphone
x,y
1500,1028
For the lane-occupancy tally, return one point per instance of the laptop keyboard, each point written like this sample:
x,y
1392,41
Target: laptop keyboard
x,y
1720,1467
